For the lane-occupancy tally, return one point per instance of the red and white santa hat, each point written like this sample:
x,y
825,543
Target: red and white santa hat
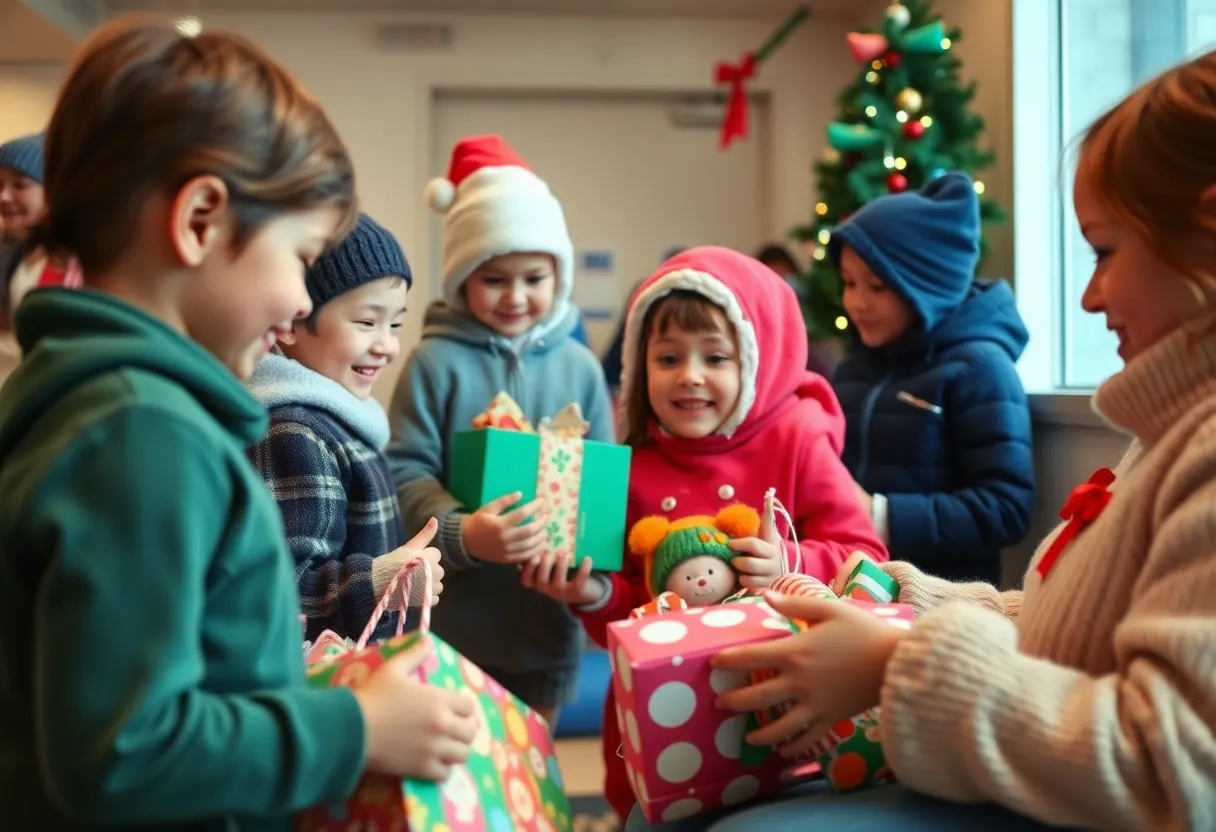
x,y
494,204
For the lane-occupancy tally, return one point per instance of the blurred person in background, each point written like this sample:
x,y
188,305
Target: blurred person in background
x,y
822,355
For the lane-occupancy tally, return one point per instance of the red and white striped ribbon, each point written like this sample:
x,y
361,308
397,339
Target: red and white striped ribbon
x,y
414,582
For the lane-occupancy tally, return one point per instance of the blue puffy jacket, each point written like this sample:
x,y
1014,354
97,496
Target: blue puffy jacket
x,y
938,422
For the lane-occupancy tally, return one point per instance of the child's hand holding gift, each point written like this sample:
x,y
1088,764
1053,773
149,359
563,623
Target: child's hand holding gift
x,y
762,558
413,729
828,673
495,537
420,546
551,576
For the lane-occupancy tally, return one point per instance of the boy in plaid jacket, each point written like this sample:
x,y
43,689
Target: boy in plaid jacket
x,y
322,458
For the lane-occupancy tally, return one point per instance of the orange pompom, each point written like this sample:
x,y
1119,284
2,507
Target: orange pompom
x,y
647,534
739,520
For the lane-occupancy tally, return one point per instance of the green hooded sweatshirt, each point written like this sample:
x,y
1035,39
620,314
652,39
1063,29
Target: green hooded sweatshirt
x,y
151,666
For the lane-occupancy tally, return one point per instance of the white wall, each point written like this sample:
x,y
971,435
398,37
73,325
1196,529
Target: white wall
x,y
987,55
27,96
381,101
632,184
27,35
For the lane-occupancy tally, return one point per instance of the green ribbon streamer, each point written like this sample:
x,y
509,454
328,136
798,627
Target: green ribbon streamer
x,y
775,39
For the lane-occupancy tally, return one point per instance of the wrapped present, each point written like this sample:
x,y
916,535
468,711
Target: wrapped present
x,y
329,645
511,779
665,602
503,413
583,483
793,584
867,582
897,615
682,753
851,754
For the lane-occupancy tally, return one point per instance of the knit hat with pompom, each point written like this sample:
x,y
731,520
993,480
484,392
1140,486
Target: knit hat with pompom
x,y
665,544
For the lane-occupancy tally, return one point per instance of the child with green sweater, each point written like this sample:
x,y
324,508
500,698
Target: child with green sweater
x,y
151,660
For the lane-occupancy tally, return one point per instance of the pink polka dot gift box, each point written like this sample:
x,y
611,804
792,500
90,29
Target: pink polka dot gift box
x,y
683,755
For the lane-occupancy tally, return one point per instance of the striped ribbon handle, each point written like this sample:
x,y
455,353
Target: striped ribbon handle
x,y
414,582
773,506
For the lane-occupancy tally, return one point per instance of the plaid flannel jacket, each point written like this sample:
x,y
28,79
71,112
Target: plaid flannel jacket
x,y
339,510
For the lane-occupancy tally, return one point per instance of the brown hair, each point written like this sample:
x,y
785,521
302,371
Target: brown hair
x,y
1150,159
687,310
145,110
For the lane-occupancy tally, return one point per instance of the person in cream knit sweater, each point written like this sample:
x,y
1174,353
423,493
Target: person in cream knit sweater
x,y
1088,698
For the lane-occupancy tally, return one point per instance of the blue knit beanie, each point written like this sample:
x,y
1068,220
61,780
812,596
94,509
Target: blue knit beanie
x,y
24,155
923,244
368,253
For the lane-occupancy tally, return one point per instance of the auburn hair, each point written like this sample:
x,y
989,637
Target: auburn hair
x,y
687,310
145,109
1150,159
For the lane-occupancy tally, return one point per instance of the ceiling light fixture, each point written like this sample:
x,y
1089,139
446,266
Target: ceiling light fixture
x,y
188,27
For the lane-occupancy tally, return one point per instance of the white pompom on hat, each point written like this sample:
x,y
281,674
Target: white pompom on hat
x,y
493,204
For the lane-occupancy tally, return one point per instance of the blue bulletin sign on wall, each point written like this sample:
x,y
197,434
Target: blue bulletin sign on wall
x,y
596,261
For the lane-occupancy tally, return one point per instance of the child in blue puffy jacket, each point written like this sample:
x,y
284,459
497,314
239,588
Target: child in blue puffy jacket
x,y
938,435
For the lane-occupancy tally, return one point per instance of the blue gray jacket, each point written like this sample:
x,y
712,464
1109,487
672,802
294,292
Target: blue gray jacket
x,y
939,423
323,463
453,375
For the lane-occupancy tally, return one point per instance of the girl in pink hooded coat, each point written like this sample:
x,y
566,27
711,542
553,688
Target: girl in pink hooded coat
x,y
719,408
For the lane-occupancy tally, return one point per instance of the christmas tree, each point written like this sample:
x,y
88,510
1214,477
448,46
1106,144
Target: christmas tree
x,y
903,122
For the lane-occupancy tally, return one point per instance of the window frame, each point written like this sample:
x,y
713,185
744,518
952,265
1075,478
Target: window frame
x,y
1042,180
1038,215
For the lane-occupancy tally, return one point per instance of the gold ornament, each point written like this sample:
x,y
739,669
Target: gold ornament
x,y
830,156
909,99
898,14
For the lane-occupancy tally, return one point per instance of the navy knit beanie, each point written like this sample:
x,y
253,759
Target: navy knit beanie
x,y
368,253
24,155
923,244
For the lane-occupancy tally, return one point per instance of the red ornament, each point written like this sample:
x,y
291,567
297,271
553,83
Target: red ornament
x,y
845,215
850,160
866,46
892,59
1080,509
914,129
897,183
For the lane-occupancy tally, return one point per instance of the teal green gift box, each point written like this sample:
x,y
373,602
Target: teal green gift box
x,y
585,485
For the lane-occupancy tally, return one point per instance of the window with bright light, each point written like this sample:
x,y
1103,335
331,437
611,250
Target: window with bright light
x,y
1094,52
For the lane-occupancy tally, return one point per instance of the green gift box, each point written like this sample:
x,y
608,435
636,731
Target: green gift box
x,y
511,780
585,485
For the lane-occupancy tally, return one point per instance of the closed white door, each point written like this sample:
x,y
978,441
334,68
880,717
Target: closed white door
x,y
632,183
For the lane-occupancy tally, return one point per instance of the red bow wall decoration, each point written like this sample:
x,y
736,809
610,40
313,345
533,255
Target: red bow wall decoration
x,y
1082,507
735,121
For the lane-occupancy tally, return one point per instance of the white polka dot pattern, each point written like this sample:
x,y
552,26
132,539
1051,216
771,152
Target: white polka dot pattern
x,y
672,704
678,762
683,754
663,631
685,807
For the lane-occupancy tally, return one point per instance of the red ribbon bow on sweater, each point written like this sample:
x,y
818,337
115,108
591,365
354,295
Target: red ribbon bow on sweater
x,y
734,123
1081,508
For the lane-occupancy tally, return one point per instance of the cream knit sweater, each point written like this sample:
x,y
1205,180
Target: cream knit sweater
x,y
1091,701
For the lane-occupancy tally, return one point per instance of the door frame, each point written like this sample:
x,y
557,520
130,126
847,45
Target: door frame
x,y
429,90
